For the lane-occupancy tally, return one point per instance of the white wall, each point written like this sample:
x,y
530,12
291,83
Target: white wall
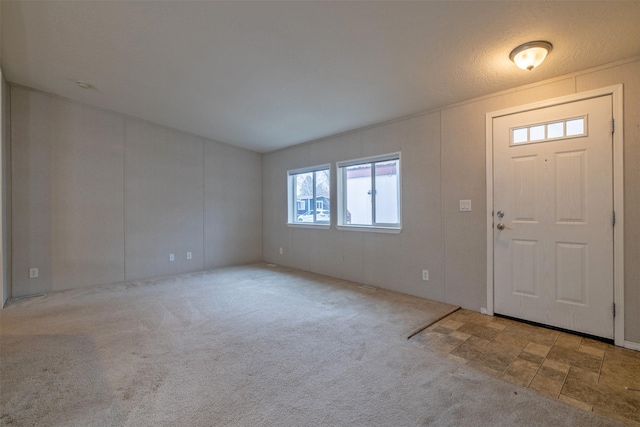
x,y
233,213
100,198
443,161
164,201
386,260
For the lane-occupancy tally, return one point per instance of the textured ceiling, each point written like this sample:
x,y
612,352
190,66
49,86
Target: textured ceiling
x,y
264,75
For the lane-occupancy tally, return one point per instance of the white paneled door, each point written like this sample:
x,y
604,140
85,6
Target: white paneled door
x,y
553,209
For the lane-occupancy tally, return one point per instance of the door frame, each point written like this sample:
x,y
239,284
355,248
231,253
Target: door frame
x,y
616,92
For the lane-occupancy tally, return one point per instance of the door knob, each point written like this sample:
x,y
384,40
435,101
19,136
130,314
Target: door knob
x,y
501,226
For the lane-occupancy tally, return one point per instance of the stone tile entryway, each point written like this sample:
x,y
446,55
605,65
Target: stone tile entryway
x,y
586,373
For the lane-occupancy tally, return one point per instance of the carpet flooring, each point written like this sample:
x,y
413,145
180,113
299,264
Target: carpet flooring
x,y
253,345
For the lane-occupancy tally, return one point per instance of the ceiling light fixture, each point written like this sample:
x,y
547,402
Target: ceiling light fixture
x,y
83,85
529,55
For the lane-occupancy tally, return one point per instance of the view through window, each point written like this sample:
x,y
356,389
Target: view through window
x,y
371,192
310,198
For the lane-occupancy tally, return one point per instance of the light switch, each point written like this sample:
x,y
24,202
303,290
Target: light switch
x,y
465,205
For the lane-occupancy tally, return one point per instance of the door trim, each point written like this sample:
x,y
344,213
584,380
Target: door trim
x,y
616,92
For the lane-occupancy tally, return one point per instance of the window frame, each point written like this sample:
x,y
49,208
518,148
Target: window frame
x,y
341,170
292,201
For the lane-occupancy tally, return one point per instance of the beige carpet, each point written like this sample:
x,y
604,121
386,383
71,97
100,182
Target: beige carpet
x,y
245,346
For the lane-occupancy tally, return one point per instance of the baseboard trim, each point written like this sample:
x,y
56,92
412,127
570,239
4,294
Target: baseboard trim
x,y
632,345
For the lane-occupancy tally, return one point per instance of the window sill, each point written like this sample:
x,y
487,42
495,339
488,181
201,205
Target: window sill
x,y
309,225
370,229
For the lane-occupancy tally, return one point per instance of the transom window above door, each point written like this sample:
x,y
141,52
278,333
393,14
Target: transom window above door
x,y
542,132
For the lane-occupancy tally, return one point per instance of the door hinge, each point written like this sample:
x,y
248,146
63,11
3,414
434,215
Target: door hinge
x,y
613,125
614,309
613,218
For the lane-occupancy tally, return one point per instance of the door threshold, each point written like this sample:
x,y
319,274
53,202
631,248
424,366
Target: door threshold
x,y
555,328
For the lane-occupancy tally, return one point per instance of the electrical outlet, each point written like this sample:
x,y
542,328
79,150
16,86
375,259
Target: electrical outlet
x,y
189,255
33,273
425,274
172,257
281,251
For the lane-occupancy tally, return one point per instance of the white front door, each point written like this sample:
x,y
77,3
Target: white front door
x,y
553,207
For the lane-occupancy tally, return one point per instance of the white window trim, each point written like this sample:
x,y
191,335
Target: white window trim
x,y
315,226
292,202
342,202
370,228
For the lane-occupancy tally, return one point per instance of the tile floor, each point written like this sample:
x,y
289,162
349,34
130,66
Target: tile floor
x,y
589,374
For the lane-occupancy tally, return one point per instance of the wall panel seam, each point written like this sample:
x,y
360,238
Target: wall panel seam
x,y
12,200
204,204
442,213
124,197
9,185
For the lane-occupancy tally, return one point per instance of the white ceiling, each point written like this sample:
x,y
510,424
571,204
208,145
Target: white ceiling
x,y
264,75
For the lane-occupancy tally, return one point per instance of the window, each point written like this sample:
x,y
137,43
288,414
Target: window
x,y
563,129
309,196
369,192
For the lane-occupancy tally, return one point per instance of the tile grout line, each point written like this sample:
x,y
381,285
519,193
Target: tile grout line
x,y
514,359
601,365
541,363
565,376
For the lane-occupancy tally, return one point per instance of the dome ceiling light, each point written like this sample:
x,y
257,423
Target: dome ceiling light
x,y
529,55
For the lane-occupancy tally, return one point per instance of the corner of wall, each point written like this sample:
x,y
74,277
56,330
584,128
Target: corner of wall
x,y
5,193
